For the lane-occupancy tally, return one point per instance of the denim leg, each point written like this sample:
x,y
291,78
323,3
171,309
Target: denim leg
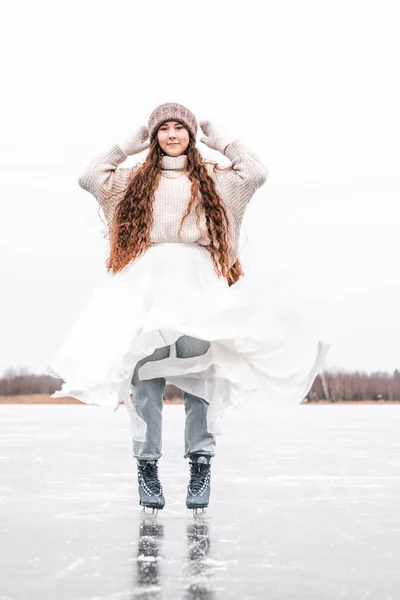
x,y
148,403
197,437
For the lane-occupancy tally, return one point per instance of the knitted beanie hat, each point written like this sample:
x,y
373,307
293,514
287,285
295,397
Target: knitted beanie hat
x,y
172,111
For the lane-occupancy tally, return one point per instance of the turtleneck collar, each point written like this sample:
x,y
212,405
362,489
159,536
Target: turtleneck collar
x,y
173,166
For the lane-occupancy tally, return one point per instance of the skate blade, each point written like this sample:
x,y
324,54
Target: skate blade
x,y
149,512
199,513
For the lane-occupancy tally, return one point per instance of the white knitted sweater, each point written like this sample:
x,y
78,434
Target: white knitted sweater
x,y
236,186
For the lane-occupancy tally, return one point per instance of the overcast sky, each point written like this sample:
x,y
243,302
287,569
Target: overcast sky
x,y
310,87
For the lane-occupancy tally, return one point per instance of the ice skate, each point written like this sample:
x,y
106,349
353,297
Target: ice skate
x,y
198,491
150,489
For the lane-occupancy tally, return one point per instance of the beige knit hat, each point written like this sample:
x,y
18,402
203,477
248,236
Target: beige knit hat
x,y
172,111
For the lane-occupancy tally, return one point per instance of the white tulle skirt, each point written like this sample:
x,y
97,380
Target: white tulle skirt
x,y
262,343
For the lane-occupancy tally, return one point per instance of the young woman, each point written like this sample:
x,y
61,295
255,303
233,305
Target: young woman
x,y
175,305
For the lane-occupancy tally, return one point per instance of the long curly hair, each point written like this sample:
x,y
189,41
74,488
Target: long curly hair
x,y
132,220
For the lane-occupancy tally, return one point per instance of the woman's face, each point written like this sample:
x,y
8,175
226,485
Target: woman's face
x,y
173,138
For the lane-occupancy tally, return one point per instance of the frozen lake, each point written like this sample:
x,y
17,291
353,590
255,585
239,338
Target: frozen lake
x,y
304,504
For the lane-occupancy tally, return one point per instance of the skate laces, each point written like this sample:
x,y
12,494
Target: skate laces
x,y
149,476
199,475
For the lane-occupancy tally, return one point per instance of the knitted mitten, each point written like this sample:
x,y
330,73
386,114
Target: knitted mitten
x,y
136,143
215,140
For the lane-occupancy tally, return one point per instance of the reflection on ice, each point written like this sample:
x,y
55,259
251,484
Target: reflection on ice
x,y
151,533
198,571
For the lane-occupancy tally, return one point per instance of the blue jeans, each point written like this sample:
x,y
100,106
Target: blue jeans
x,y
148,402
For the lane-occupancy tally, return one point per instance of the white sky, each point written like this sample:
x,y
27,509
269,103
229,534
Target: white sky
x,y
311,87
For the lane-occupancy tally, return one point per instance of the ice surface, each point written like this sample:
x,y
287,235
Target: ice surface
x,y
305,505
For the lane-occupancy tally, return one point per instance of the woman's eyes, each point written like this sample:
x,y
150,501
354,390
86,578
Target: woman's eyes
x,y
178,127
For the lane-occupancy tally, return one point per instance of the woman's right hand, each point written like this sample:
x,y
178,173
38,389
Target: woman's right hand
x,y
136,142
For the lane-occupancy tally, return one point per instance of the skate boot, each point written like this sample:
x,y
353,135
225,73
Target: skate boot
x,y
198,491
150,489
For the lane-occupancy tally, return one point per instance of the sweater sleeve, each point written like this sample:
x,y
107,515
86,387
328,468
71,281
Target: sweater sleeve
x,y
246,174
102,179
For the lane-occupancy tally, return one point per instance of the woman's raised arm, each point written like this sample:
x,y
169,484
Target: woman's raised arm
x,y
246,174
103,179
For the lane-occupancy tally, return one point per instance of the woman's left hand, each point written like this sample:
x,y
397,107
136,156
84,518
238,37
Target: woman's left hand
x,y
215,140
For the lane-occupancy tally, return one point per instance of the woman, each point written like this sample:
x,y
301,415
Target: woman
x,y
169,309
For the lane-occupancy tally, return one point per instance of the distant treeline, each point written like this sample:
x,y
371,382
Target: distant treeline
x,y
19,382
353,386
334,386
